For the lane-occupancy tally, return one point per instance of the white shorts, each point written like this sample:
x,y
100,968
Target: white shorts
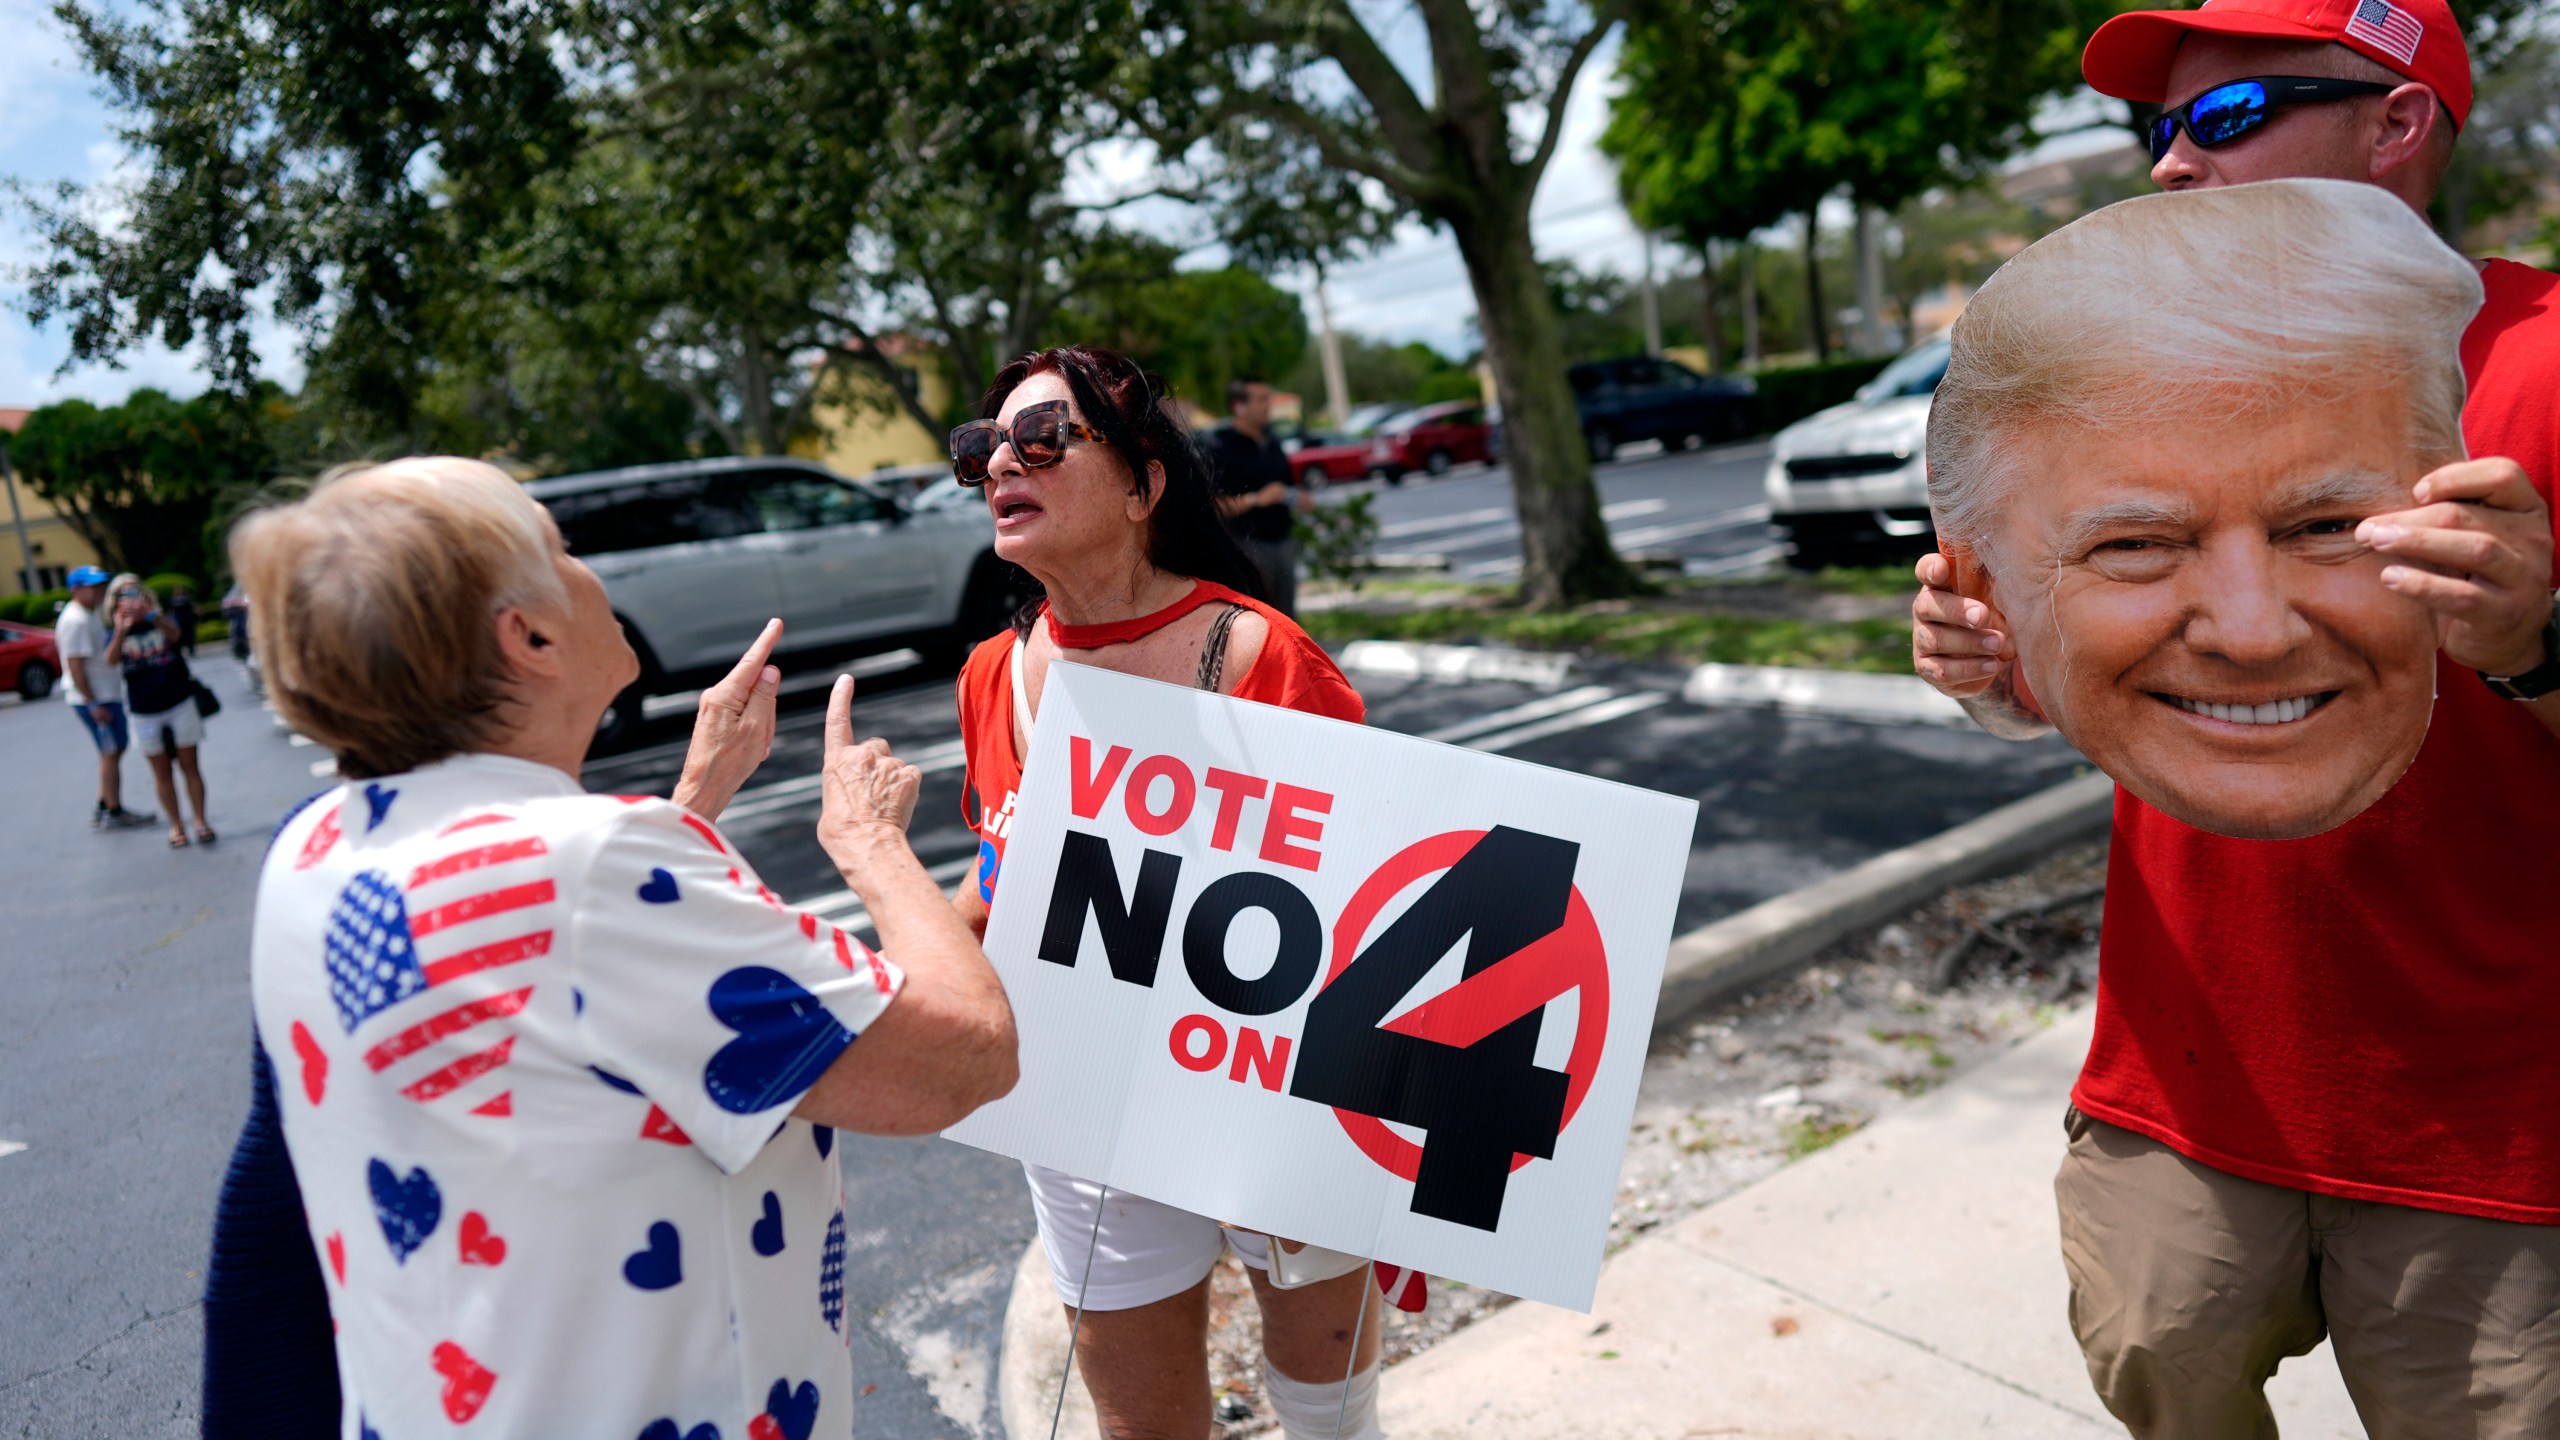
x,y
1144,1251
183,723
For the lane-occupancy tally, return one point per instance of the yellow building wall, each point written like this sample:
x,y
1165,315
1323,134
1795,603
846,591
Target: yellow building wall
x,y
860,428
58,548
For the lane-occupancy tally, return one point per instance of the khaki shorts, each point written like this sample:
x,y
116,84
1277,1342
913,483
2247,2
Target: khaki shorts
x,y
2189,1285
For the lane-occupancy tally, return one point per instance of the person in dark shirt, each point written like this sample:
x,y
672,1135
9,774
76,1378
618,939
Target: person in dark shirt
x,y
1256,492
160,694
182,609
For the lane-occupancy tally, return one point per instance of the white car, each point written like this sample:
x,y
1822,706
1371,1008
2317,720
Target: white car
x,y
698,554
1850,482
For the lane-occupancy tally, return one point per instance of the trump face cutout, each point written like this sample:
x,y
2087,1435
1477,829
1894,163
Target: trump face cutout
x,y
2151,454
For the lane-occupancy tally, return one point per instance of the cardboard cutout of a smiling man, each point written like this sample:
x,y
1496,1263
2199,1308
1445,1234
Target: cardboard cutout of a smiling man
x,y
2157,433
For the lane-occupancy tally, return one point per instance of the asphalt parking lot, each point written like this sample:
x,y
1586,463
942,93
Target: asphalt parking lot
x,y
123,1047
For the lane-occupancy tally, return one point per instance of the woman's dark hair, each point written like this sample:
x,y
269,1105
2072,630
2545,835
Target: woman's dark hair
x,y
1126,402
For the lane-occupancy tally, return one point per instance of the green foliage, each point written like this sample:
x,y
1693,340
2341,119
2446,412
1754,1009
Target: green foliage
x,y
1335,540
1201,328
1376,372
166,583
1789,393
1812,1134
138,480
39,609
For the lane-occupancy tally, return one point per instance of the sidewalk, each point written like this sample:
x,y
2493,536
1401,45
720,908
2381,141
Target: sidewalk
x,y
1905,1283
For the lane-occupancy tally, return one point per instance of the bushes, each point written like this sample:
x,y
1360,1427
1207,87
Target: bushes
x,y
1791,392
36,610
167,581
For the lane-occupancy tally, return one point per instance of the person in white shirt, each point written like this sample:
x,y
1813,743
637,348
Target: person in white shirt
x,y
94,687
559,1077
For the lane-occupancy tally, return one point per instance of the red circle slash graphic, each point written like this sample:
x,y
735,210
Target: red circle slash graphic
x,y
1571,957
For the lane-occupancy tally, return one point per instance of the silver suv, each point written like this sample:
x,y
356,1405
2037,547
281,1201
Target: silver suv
x,y
1851,483
697,554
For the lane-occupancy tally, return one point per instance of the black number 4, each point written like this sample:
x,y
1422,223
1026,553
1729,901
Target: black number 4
x,y
1479,1105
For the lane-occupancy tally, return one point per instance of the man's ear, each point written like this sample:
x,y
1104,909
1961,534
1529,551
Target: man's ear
x,y
1972,577
2407,117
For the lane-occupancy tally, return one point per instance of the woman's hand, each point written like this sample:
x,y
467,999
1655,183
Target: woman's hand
x,y
869,794
732,730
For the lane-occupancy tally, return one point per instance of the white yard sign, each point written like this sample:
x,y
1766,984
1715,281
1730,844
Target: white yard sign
x,y
1338,984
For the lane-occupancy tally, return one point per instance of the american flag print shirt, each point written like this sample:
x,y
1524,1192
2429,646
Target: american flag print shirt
x,y
537,1055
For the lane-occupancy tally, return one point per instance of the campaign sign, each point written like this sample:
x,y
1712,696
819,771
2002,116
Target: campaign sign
x,y
1332,983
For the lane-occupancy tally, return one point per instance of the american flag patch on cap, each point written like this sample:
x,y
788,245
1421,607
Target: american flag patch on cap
x,y
2388,28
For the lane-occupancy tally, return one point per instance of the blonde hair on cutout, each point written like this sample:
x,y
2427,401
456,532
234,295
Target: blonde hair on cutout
x,y
371,605
2203,306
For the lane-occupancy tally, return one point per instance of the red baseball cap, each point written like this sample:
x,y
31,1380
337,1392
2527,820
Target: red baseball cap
x,y
2129,56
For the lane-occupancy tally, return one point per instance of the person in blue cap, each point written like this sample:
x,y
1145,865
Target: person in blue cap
x,y
95,689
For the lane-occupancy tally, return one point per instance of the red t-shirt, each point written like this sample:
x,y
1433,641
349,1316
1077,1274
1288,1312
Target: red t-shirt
x,y
1292,672
2367,1013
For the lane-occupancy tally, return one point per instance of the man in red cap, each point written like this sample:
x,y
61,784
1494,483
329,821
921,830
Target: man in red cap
x,y
2322,1097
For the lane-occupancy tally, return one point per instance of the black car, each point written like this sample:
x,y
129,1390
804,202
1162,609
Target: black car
x,y
1645,397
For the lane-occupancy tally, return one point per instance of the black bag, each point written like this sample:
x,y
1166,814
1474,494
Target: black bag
x,y
208,704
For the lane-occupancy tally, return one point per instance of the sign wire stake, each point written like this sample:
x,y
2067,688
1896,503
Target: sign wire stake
x,y
1093,1242
1350,1367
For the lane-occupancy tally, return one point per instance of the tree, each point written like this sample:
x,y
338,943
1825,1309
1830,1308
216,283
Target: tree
x,y
1735,113
138,479
1300,98
1201,328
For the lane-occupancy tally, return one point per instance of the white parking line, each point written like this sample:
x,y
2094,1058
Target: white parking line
x,y
1742,564
1443,522
844,908
889,663
1520,714
1707,525
11,1147
801,790
1600,714
325,769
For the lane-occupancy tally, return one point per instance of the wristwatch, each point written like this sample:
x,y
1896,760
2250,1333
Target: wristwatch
x,y
2542,679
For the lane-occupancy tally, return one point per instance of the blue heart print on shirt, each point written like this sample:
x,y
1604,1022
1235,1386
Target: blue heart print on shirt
x,y
378,803
662,1264
661,889
786,1038
665,1429
373,963
831,1275
825,1135
766,1234
796,1411
408,1208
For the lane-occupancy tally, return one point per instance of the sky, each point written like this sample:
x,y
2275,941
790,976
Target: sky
x,y
54,127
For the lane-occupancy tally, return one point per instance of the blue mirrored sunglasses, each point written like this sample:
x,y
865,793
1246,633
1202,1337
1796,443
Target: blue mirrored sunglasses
x,y
2227,112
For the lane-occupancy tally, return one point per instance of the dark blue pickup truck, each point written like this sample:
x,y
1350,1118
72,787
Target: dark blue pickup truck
x,y
1644,397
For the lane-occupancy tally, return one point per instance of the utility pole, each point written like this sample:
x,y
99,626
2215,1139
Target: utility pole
x,y
17,517
1652,303
1870,280
1750,304
1337,393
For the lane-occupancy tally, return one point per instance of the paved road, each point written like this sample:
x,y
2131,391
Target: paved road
x,y
124,1038
1704,507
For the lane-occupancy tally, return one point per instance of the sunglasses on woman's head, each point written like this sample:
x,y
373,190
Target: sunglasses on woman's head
x,y
2227,112
1039,434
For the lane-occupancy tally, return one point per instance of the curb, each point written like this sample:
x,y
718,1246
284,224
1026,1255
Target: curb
x,y
1705,965
1772,937
1842,694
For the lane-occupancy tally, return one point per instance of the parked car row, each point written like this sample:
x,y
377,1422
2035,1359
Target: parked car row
x,y
696,554
1852,481
28,662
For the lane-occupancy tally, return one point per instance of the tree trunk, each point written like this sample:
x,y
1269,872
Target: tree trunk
x,y
1814,321
1565,553
1712,324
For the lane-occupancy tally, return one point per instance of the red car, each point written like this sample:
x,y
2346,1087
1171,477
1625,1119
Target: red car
x,y
1432,439
28,663
1322,458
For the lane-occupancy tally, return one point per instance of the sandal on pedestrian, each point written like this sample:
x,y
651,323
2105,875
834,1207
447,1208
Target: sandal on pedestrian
x,y
205,835
177,838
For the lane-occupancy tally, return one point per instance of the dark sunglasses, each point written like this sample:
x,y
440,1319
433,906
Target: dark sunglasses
x,y
1039,437
2227,112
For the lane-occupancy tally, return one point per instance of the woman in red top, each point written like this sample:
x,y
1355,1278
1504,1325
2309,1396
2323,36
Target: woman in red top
x,y
1099,492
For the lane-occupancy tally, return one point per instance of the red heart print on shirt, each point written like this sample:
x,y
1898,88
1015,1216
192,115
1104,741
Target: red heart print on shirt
x,y
315,1062
467,1382
337,1244
480,1244
657,1126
